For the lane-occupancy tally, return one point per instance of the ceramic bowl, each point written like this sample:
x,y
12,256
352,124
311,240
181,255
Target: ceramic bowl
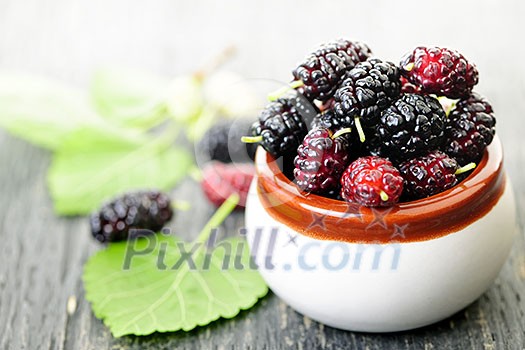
x,y
381,270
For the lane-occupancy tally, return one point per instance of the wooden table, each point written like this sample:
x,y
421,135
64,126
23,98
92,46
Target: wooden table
x,y
41,255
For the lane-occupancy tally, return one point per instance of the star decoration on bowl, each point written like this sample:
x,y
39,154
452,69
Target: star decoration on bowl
x,y
352,211
318,220
399,231
379,217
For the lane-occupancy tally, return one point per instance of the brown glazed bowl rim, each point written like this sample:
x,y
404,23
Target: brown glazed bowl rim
x,y
438,215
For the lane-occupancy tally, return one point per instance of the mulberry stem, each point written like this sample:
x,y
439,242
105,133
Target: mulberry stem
x,y
359,128
280,92
251,139
447,104
409,66
341,132
465,168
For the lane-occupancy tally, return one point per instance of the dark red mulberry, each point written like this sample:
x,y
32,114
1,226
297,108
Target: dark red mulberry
x,y
439,71
372,182
320,161
469,129
142,211
321,71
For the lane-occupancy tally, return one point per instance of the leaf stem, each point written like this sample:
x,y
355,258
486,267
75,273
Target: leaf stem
x,y
218,218
159,114
195,173
128,161
168,136
181,205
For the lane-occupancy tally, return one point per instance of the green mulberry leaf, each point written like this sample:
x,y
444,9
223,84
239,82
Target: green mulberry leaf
x,y
41,111
140,287
94,165
129,98
145,286
145,299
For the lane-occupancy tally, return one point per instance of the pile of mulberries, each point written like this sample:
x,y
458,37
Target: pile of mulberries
x,y
377,132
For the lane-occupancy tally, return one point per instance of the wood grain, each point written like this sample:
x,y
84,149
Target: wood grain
x,y
41,255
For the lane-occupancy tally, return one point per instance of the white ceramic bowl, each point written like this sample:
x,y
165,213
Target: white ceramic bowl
x,y
386,270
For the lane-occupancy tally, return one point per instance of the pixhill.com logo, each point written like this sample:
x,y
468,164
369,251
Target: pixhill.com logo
x,y
267,245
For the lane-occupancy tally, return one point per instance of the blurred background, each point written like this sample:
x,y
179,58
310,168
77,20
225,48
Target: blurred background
x,y
69,40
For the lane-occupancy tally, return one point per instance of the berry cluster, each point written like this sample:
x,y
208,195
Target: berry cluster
x,y
375,132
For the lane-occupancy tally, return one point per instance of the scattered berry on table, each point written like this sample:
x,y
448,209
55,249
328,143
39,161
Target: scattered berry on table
x,y
222,142
367,89
469,129
372,182
143,210
322,70
413,125
320,161
431,174
439,71
220,180
282,125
